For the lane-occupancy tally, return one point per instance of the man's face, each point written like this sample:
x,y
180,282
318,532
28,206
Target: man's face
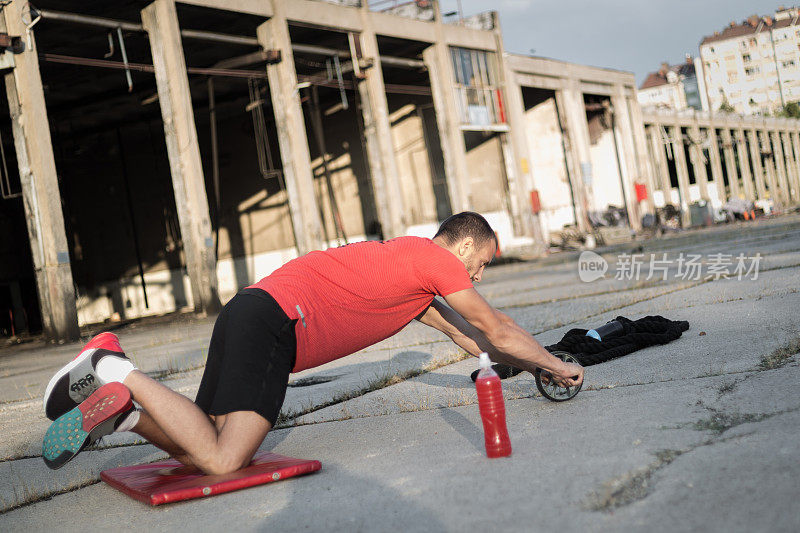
x,y
475,259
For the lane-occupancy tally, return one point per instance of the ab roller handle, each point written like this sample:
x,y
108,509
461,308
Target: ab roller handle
x,y
548,387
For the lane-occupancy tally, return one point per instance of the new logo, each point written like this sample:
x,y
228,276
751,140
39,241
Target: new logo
x,y
591,266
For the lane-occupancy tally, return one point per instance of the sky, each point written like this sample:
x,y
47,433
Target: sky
x,y
631,35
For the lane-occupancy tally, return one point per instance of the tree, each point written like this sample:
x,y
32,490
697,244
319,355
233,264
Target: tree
x,y
726,106
790,110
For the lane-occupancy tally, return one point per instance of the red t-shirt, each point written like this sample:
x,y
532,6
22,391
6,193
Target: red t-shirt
x,y
348,298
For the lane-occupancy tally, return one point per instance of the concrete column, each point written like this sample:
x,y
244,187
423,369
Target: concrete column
x,y
659,160
40,193
576,127
160,20
744,165
730,163
795,138
789,163
515,146
791,166
515,110
758,169
292,136
769,166
782,183
683,171
378,134
716,164
646,169
572,164
454,151
697,156
629,170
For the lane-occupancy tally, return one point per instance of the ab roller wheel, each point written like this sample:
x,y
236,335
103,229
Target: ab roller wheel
x,y
547,386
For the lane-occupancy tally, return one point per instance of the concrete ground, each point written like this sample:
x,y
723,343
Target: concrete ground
x,y
699,434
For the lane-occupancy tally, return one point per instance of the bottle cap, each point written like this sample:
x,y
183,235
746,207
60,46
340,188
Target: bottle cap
x,y
484,361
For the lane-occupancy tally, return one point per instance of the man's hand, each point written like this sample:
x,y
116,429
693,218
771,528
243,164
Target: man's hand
x,y
570,375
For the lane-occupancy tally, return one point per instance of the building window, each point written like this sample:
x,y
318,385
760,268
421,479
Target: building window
x,y
477,89
789,63
746,58
752,71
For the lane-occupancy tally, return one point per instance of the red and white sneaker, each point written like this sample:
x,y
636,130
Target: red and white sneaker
x,y
78,379
99,415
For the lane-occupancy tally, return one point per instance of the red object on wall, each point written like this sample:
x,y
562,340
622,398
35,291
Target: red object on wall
x,y
641,192
501,110
536,204
169,481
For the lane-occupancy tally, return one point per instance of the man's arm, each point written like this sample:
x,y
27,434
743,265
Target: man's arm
x,y
477,327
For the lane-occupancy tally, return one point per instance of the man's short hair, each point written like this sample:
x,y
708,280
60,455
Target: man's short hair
x,y
466,224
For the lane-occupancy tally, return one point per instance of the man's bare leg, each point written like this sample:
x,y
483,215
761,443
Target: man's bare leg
x,y
147,428
223,446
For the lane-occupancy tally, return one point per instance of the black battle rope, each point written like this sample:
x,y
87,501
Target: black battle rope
x,y
636,334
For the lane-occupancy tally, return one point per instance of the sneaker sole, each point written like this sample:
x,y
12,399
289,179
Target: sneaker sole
x,y
84,424
61,379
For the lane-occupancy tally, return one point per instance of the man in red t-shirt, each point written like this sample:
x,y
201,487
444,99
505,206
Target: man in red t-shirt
x,y
314,309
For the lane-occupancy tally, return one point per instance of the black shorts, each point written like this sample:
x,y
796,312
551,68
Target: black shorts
x,y
250,357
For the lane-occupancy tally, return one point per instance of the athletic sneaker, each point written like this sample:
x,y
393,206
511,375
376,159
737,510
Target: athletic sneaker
x,y
96,417
78,379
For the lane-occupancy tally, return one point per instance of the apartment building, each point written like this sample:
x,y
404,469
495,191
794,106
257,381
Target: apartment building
x,y
753,67
675,87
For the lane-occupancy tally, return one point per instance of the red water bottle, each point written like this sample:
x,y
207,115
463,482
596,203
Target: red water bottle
x,y
493,410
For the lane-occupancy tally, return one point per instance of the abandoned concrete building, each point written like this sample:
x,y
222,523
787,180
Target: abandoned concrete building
x,y
159,155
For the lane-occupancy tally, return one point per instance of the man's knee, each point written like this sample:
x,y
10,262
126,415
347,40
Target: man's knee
x,y
222,463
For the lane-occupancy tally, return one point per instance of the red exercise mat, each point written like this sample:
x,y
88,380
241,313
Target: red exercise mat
x,y
169,481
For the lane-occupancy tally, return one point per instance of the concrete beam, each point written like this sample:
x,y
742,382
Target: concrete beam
x,y
382,155
704,119
541,66
160,20
292,136
456,35
251,7
40,192
603,89
340,17
437,60
388,25
539,82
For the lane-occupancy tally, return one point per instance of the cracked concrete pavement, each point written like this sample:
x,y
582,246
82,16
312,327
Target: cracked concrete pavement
x,y
701,433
